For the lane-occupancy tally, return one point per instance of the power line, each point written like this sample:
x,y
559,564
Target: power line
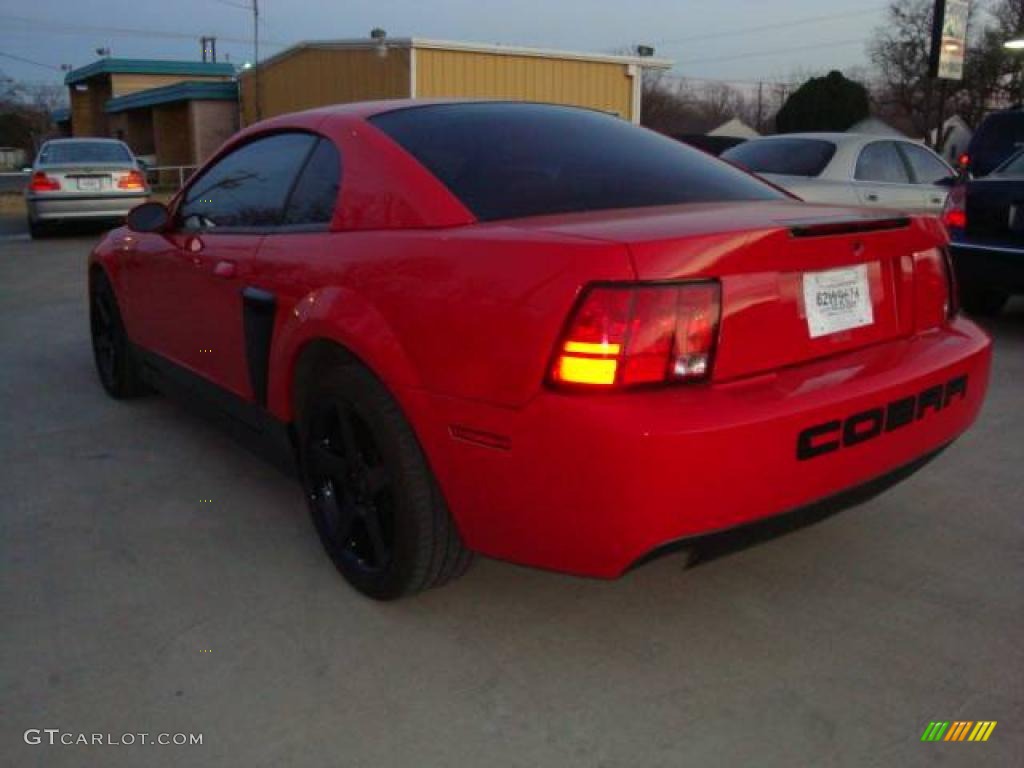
x,y
129,32
802,21
773,52
23,60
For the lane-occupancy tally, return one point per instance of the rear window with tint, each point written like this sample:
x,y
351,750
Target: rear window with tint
x,y
507,160
787,157
84,152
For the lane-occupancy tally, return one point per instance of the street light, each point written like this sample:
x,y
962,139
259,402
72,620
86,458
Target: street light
x,y
1016,44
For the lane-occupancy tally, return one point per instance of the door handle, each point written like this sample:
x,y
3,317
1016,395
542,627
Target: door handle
x,y
872,197
938,200
224,268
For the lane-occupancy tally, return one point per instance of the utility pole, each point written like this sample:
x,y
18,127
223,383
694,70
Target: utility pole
x,y
760,107
256,58
209,46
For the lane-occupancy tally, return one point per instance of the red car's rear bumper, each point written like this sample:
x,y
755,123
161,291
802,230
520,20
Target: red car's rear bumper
x,y
589,484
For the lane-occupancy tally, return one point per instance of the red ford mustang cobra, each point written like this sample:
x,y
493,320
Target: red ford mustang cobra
x,y
533,332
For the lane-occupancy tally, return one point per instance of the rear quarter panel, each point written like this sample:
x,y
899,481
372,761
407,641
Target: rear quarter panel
x,y
470,313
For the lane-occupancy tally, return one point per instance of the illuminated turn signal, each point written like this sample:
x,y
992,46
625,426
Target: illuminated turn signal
x,y
622,336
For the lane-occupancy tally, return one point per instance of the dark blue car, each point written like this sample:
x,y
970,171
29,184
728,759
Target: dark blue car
x,y
985,218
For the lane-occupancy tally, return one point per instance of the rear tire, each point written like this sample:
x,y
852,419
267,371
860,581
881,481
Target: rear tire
x,y
115,364
980,301
374,500
38,230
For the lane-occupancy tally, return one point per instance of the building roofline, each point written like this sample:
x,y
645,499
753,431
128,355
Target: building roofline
x,y
189,90
405,43
108,66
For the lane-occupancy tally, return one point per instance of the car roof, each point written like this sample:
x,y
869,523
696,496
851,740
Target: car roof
x,y
364,110
837,137
82,139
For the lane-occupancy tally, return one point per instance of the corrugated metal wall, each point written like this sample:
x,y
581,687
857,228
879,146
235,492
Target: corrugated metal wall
x,y
469,74
318,77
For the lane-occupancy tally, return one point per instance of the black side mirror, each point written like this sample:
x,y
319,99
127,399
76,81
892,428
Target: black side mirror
x,y
149,217
948,181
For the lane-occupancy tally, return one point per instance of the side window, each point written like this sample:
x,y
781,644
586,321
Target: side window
x,y
316,192
248,187
927,168
881,161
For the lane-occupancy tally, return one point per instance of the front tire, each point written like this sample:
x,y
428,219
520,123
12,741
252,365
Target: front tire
x,y
374,501
115,364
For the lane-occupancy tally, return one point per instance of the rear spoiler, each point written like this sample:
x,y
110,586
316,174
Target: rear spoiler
x,y
826,227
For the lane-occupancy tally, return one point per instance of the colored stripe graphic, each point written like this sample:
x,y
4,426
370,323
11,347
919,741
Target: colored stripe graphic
x,y
935,731
958,730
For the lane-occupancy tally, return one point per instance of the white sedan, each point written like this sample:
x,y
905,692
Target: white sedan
x,y
850,169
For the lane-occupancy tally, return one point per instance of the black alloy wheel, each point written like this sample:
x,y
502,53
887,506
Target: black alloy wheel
x,y
349,489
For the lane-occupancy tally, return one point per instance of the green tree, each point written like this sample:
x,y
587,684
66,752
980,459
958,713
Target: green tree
x,y
829,103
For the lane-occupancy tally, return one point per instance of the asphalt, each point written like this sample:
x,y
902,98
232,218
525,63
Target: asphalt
x,y
155,577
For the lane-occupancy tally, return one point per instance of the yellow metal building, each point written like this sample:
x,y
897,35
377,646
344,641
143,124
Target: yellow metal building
x,y
315,74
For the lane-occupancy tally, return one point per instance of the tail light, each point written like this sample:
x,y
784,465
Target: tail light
x,y
132,180
40,182
934,289
954,215
625,336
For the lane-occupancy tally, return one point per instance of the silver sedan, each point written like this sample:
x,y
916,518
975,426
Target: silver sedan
x,y
75,179
850,169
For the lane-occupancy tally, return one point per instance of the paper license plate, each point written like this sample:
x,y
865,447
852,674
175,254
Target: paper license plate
x,y
837,300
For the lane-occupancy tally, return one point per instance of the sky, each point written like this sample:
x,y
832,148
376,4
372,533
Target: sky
x,y
742,40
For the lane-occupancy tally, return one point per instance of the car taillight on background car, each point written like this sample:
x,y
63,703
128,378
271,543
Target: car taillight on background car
x,y
623,336
40,182
954,215
132,180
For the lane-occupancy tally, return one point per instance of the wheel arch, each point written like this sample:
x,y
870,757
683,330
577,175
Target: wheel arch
x,y
329,325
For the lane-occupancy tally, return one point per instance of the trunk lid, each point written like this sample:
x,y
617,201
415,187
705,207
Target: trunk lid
x,y
763,254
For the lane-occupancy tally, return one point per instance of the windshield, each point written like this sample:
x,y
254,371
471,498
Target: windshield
x,y
84,152
506,160
787,157
998,137
1015,166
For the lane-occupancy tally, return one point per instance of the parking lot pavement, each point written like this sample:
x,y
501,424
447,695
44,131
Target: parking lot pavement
x,y
158,578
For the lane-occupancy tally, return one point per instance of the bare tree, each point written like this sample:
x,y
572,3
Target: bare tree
x,y
906,96
26,111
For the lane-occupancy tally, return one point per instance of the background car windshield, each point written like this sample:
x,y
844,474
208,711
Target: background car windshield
x,y
511,160
1015,167
998,137
786,157
84,152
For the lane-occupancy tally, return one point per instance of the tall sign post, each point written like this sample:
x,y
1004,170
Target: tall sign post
x,y
949,47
